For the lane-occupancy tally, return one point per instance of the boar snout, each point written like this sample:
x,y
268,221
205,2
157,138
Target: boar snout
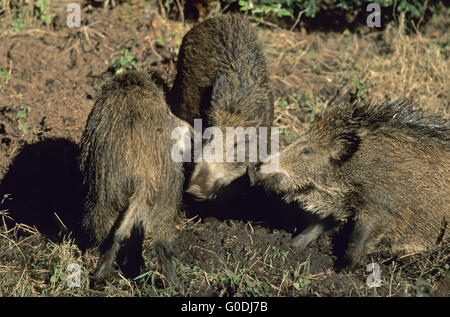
x,y
203,185
252,172
268,180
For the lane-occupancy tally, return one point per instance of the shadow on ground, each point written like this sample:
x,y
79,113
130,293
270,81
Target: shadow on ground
x,y
240,201
43,188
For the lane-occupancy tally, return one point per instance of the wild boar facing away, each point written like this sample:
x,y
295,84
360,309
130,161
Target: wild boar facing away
x,y
133,187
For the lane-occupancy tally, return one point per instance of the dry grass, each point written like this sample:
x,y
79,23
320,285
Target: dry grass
x,y
32,265
375,65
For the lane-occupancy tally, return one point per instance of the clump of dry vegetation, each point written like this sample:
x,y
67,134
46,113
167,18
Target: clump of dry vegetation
x,y
310,71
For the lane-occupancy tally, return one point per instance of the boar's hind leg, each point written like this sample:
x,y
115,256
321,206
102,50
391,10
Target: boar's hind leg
x,y
130,258
164,256
121,234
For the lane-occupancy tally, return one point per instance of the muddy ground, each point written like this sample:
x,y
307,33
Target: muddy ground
x,y
237,246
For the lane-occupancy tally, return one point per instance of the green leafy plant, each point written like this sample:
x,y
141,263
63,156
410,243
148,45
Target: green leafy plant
x,y
175,37
287,135
4,78
265,7
18,24
21,116
281,8
124,62
301,282
44,15
411,9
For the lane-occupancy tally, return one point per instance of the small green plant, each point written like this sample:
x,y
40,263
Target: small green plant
x,y
301,282
124,62
4,78
305,102
59,276
280,254
44,15
23,127
19,23
21,116
160,40
265,7
360,87
311,55
283,104
169,39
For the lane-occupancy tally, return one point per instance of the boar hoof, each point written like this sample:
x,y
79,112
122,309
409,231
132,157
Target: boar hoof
x,y
346,264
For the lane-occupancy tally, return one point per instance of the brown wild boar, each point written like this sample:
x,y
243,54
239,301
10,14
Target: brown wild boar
x,y
221,79
384,166
133,187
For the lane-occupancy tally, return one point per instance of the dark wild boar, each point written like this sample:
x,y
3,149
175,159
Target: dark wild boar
x,y
221,79
385,167
133,187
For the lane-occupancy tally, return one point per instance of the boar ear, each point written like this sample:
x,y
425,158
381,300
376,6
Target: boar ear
x,y
343,147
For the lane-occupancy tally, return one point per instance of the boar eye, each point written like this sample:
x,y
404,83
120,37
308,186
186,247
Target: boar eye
x,y
306,150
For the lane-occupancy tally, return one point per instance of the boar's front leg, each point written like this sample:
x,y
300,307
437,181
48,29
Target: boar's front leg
x,y
313,231
308,235
357,244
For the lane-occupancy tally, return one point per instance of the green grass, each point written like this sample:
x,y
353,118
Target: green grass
x,y
125,61
44,15
21,118
18,24
4,78
26,13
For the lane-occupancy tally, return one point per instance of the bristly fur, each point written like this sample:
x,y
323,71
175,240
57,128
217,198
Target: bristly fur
x,y
222,67
399,114
385,166
222,79
130,181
